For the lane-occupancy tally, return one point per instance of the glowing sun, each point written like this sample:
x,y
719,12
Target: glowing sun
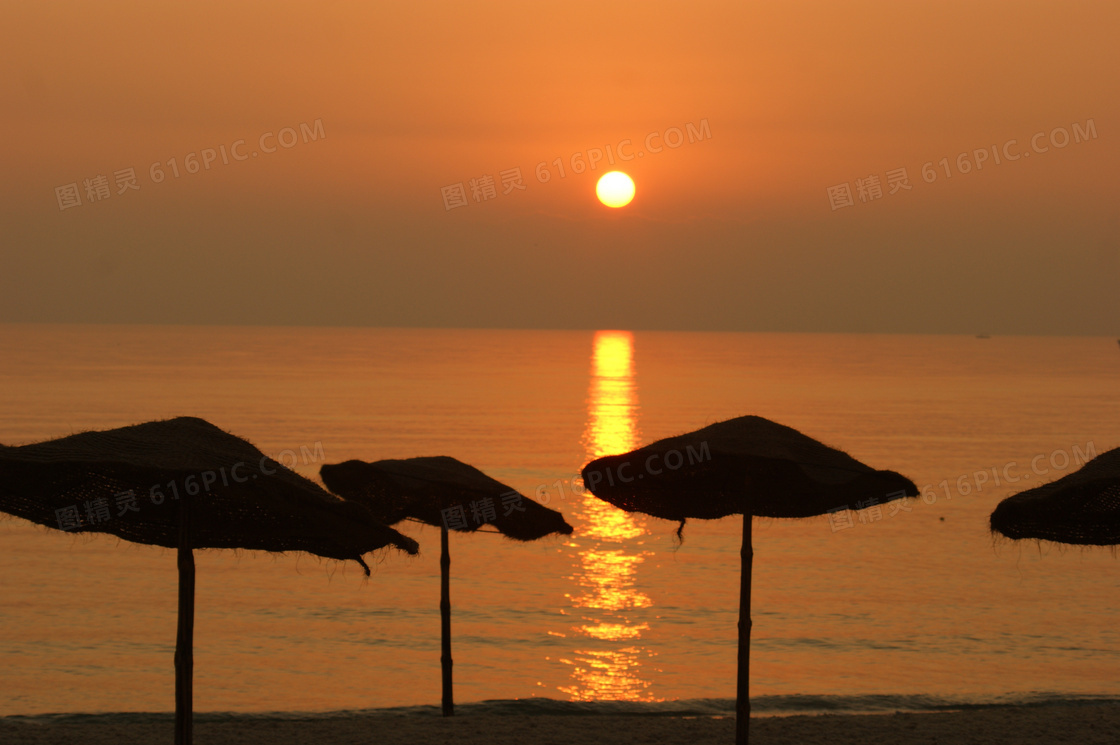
x,y
615,189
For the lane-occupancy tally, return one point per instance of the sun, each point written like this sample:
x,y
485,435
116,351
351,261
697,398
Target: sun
x,y
615,189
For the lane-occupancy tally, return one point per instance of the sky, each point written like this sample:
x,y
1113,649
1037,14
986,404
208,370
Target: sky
x,y
354,163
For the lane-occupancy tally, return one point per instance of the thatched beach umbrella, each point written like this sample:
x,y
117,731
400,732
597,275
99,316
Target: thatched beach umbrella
x,y
747,465
446,492
1081,508
185,484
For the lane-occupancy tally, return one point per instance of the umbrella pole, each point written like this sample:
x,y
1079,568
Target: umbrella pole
x,y
445,619
184,643
742,693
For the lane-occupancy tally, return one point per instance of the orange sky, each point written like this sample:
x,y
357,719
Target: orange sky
x,y
732,231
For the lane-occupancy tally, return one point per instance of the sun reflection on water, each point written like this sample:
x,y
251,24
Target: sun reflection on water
x,y
605,543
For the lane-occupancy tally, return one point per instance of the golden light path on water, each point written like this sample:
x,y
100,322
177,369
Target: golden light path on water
x,y
613,666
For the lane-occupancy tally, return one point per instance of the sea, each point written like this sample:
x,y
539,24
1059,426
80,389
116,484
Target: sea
x,y
907,606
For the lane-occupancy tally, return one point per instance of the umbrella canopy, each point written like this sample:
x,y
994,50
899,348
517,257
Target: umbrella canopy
x,y
744,464
441,490
446,492
1081,508
128,482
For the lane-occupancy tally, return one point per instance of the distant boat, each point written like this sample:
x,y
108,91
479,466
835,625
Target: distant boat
x,y
983,336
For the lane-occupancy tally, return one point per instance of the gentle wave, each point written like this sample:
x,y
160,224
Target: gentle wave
x,y
700,707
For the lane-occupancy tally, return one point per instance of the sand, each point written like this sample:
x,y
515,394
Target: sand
x,y
1087,724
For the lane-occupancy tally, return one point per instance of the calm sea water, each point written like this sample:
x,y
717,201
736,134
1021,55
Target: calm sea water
x,y
906,604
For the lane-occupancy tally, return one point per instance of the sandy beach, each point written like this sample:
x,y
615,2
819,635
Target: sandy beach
x,y
1082,724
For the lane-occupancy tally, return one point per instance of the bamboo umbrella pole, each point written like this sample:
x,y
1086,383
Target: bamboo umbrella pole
x,y
445,620
184,643
742,694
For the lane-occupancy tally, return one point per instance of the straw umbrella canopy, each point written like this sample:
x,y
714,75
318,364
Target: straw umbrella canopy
x,y
749,466
1081,508
184,483
446,492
